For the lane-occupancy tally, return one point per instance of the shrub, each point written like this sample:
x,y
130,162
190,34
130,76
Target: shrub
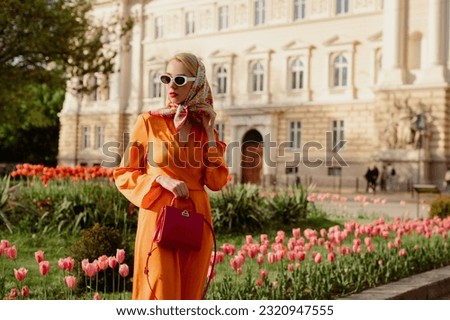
x,y
237,209
66,206
288,207
440,207
101,240
96,241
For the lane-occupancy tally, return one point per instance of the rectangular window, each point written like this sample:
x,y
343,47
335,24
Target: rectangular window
x,y
299,9
260,12
295,134
99,137
338,135
335,171
341,7
220,127
190,23
223,17
158,27
85,137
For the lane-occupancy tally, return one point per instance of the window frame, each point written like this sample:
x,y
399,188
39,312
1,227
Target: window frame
x,y
295,134
300,69
189,22
340,71
99,137
260,12
299,10
159,27
257,77
223,17
85,137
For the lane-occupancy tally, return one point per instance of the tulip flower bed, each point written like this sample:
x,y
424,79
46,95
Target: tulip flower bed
x,y
299,262
332,263
27,273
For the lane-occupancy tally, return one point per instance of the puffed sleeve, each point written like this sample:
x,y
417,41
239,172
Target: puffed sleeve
x,y
216,171
132,178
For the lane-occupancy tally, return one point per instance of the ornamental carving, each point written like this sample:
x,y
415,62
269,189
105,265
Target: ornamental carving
x,y
401,129
319,7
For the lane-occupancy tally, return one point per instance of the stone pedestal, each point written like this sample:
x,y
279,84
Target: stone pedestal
x,y
411,167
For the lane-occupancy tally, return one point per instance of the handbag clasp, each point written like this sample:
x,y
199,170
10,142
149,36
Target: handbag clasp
x,y
185,213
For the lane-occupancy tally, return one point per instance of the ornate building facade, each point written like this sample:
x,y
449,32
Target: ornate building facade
x,y
309,90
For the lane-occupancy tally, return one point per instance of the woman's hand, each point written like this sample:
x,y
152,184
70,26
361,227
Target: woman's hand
x,y
177,187
208,119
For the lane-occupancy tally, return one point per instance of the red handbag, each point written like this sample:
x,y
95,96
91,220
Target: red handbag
x,y
179,228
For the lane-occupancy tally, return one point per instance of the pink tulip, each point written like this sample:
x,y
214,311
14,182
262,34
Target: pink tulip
x,y
25,291
97,296
20,274
103,262
402,252
44,267
318,258
331,256
263,273
264,238
14,293
124,270
11,252
112,261
290,267
90,270
120,255
260,259
271,257
296,233
66,264
301,255
259,282
4,244
249,239
84,264
39,256
70,282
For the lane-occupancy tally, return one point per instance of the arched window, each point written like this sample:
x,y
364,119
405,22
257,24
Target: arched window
x,y
155,85
222,75
297,72
258,77
340,68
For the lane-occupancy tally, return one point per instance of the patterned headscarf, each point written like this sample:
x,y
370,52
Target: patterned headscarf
x,y
199,95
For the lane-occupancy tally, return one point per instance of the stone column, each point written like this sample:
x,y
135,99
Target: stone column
x,y
433,70
136,76
394,20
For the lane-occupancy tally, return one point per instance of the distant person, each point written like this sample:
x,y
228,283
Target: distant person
x,y
447,180
383,178
371,178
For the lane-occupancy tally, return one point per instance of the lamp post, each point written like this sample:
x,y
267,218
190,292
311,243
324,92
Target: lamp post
x,y
420,127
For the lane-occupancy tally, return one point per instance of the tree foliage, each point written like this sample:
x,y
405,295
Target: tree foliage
x,y
47,42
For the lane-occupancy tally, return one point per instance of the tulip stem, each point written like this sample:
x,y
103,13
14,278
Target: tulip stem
x,y
104,281
113,281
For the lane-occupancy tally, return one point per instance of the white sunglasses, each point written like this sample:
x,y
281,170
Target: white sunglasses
x,y
178,80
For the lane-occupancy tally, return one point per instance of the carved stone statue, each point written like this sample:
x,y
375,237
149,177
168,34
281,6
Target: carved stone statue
x,y
402,130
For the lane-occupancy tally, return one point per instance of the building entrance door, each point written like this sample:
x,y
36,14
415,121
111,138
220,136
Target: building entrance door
x,y
252,157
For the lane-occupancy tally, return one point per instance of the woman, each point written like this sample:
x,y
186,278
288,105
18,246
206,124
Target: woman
x,y
174,152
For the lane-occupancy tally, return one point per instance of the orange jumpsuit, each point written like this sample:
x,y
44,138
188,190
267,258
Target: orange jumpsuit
x,y
154,150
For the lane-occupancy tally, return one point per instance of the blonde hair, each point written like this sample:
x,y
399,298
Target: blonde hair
x,y
189,60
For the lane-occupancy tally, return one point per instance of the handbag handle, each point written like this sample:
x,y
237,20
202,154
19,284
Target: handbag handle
x,y
175,198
